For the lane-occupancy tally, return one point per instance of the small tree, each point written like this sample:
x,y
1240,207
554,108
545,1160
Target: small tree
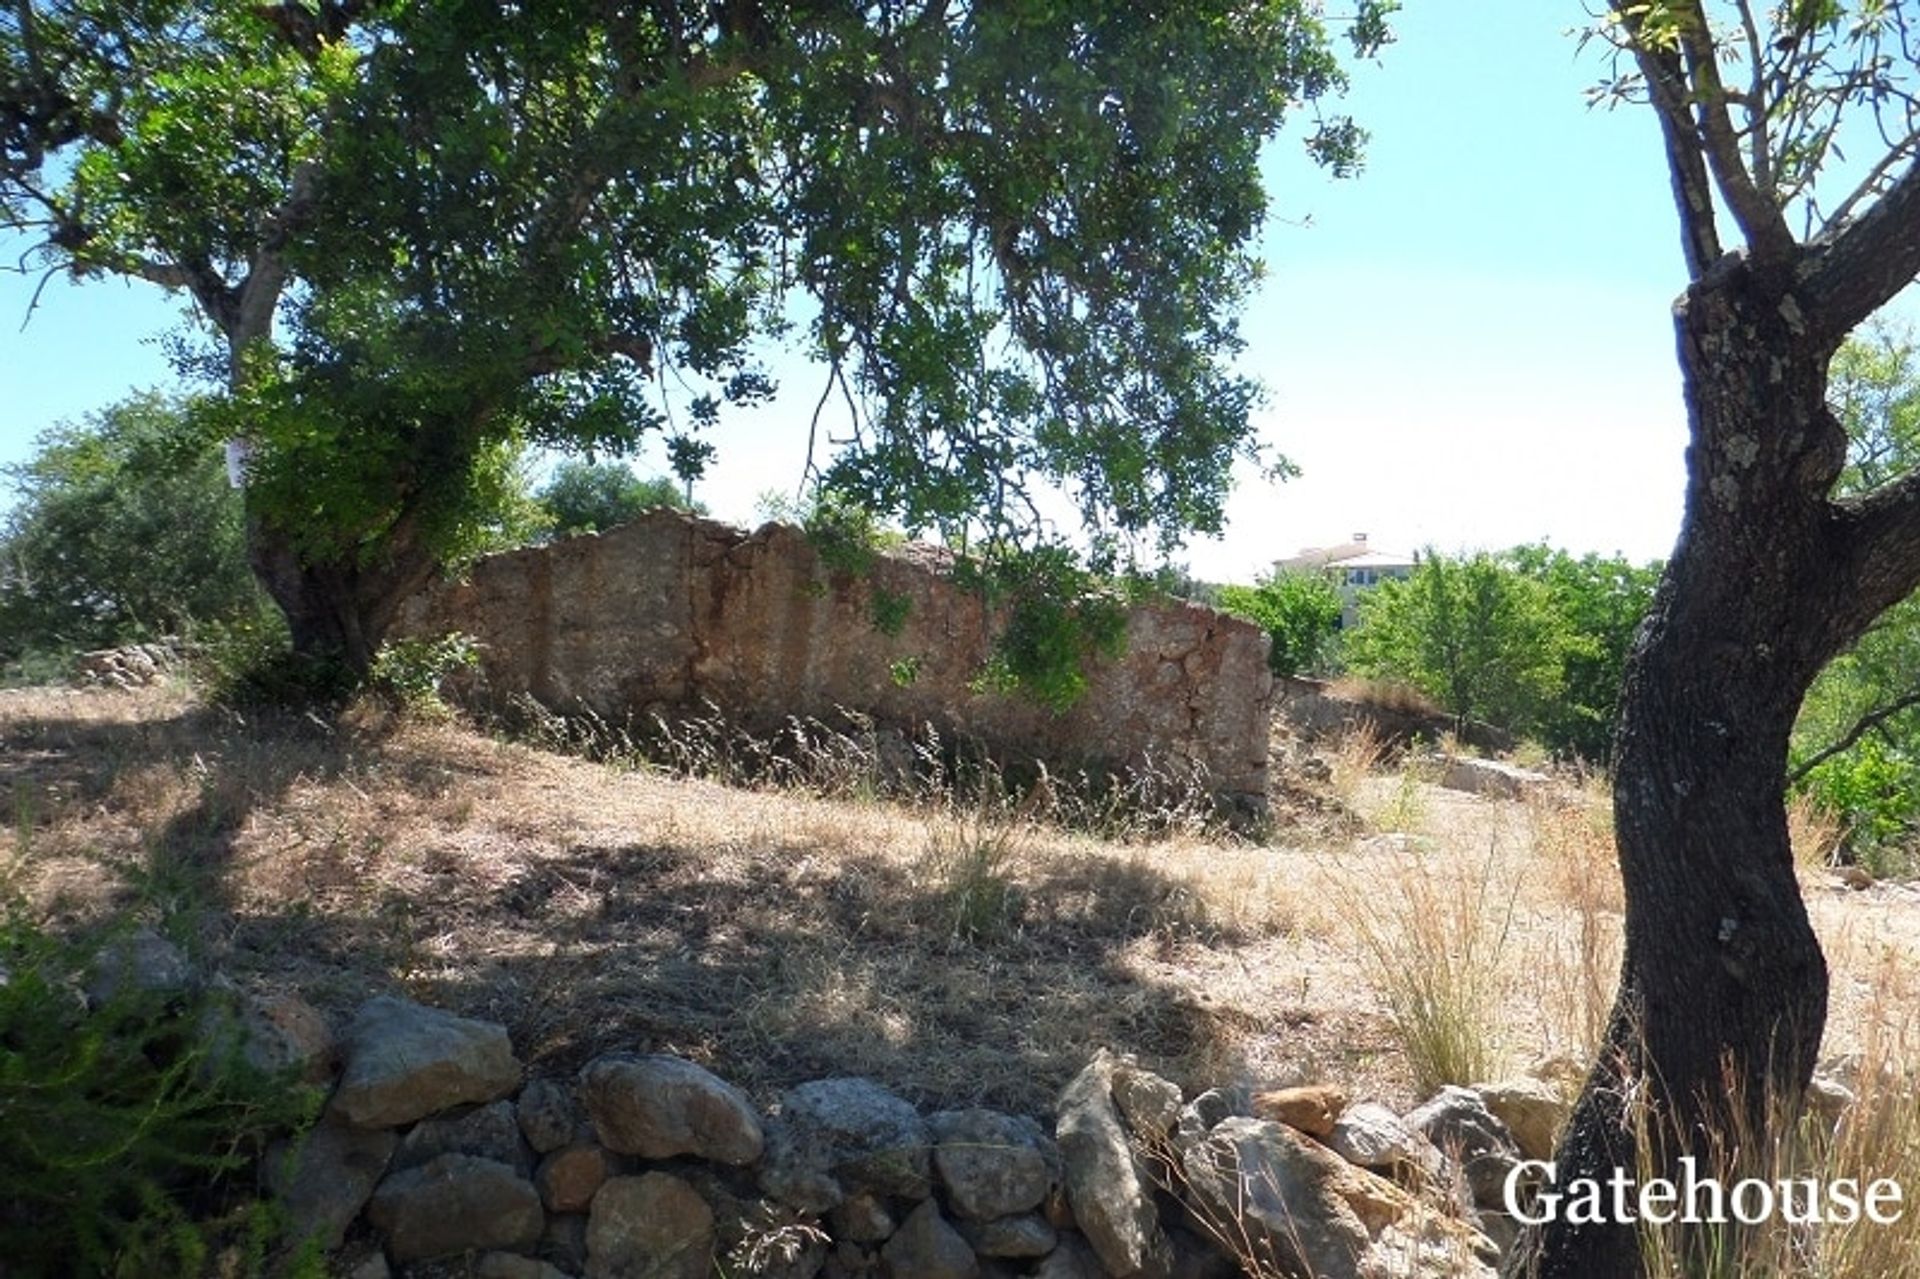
x,y
123,528
1300,613
1600,602
1477,636
590,497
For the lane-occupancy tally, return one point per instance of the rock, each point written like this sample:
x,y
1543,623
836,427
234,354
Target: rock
x,y
286,1033
1112,1200
659,1107
1371,1136
511,1265
405,1061
140,963
926,1247
325,1182
1532,1110
373,1266
1490,777
1311,1108
569,1177
1195,1259
1457,1121
456,1204
486,1132
565,1241
653,1226
849,1260
835,1136
993,1165
1198,1116
862,1217
1149,1104
1486,1176
1828,1098
1073,1259
1027,1235
548,1114
1294,1203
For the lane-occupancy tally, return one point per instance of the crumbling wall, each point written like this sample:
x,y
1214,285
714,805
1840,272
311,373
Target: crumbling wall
x,y
671,609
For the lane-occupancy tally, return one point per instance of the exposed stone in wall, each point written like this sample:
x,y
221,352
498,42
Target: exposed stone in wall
x,y
671,609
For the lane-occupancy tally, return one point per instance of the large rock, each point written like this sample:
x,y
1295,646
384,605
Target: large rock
x,y
486,1132
325,1182
1295,1204
1490,777
926,1247
1111,1195
660,1107
653,1226
1459,1123
1027,1235
547,1113
1149,1104
140,964
835,1136
568,1178
1532,1110
993,1165
405,1061
1311,1108
456,1204
285,1033
1373,1137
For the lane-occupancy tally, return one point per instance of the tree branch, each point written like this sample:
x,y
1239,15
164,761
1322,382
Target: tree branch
x,y
1754,210
1857,267
1861,727
1692,189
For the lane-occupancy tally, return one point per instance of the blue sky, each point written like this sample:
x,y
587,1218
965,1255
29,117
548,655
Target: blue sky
x,y
1467,346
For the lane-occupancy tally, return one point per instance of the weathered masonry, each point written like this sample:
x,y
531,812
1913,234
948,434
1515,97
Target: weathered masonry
x,y
662,613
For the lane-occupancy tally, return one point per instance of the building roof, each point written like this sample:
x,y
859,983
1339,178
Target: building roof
x,y
1354,554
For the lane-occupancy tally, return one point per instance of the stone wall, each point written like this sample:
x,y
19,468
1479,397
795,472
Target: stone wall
x,y
662,613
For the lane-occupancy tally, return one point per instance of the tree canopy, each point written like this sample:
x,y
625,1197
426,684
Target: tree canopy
x,y
1014,235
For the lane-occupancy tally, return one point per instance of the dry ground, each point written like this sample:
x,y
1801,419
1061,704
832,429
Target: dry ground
x,y
778,936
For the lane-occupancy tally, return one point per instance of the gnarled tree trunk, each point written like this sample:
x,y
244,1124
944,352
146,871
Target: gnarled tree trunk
x,y
339,609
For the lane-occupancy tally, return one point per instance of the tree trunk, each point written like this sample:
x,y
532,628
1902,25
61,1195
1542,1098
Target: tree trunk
x,y
1723,990
339,610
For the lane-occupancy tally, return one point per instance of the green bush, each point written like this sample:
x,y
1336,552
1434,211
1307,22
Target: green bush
x,y
413,672
1874,790
1300,613
130,1133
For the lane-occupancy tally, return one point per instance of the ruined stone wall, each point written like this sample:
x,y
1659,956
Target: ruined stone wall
x,y
672,609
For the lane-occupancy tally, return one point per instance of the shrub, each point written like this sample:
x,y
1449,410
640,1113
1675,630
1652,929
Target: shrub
x,y
1299,612
128,1132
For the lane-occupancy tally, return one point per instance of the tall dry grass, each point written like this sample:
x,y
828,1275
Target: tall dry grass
x,y
1876,1137
1432,938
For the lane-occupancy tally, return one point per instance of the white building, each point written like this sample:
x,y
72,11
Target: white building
x,y
1355,567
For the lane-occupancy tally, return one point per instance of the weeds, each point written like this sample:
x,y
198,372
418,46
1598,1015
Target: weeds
x,y
1432,945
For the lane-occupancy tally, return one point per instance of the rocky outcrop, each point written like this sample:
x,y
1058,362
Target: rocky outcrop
x,y
671,610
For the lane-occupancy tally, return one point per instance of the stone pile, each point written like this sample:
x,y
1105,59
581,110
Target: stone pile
x,y
435,1149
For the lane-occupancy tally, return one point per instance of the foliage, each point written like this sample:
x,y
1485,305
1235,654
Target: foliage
x,y
589,497
1020,233
414,671
127,1128
124,529
1856,743
1299,611
1481,638
1059,617
1600,602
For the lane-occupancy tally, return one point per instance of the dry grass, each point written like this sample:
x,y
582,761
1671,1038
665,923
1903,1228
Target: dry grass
x,y
962,950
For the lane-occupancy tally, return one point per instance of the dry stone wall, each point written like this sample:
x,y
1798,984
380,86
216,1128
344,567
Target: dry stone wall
x,y
671,610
